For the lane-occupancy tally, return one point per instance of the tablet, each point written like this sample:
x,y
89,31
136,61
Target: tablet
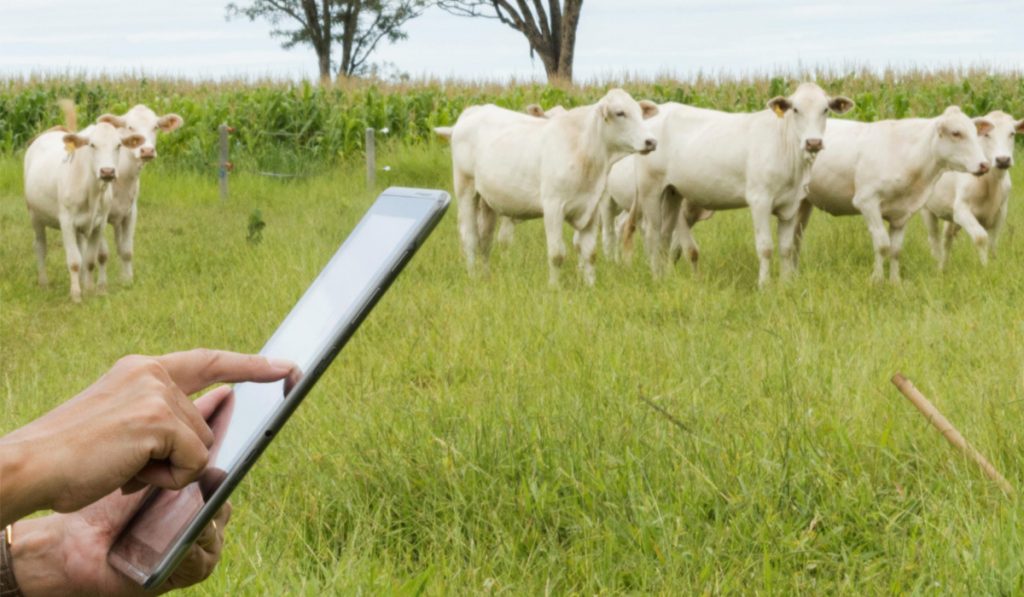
x,y
155,539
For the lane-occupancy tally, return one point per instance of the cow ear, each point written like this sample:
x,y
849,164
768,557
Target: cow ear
x,y
649,108
535,110
170,122
605,112
779,105
73,142
840,104
1019,127
133,141
114,120
983,126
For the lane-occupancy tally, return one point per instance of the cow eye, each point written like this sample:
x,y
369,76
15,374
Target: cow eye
x,y
957,135
91,146
825,111
118,146
620,114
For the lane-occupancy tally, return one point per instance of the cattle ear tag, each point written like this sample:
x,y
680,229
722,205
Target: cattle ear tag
x,y
778,110
69,146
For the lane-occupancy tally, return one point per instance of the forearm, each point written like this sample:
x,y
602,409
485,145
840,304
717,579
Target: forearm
x,y
22,489
38,558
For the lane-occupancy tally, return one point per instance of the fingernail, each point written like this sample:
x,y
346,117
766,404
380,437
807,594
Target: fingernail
x,y
280,363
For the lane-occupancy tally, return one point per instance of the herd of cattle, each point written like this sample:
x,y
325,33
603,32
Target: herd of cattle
x,y
610,167
77,182
619,163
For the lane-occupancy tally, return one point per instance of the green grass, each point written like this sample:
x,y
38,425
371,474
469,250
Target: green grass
x,y
487,436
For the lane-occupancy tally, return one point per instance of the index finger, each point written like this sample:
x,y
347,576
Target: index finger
x,y
193,370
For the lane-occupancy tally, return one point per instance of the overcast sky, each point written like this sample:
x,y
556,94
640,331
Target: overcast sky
x,y
645,37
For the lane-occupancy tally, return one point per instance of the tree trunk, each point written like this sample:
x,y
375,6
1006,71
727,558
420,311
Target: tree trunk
x,y
567,50
324,62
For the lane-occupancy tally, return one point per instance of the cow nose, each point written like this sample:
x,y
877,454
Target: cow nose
x,y
1003,162
107,174
147,153
814,145
650,145
982,169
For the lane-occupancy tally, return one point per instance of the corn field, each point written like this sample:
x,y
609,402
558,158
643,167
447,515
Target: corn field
x,y
299,127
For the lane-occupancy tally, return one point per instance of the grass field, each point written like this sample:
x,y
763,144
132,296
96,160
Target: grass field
x,y
487,436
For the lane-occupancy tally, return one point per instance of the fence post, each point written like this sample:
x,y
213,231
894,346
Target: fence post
x,y
225,165
371,160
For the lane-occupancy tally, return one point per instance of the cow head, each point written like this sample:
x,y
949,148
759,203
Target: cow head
x,y
624,128
998,143
145,122
956,144
806,112
102,147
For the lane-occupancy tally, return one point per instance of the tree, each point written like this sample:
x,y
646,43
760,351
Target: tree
x,y
357,26
551,32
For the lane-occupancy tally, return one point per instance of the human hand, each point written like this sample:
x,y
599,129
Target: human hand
x,y
66,554
135,426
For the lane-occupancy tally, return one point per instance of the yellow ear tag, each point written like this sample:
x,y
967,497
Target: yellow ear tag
x,y
778,111
69,146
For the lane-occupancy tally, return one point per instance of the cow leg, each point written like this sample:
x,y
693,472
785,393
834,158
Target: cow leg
x,y
126,245
896,232
486,221
787,246
465,194
803,216
997,227
103,254
761,212
931,222
963,216
620,229
72,255
506,230
609,233
85,246
879,235
92,249
587,246
40,248
553,218
671,206
947,242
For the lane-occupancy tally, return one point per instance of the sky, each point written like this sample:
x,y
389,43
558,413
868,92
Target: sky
x,y
192,38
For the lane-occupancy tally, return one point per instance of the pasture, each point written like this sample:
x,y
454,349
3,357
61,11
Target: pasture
x,y
488,436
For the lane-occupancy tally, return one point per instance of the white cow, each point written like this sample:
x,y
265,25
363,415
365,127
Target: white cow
x,y
978,204
884,171
711,160
507,225
68,180
124,210
507,163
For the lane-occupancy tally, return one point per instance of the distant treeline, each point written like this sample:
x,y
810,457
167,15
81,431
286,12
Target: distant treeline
x,y
297,126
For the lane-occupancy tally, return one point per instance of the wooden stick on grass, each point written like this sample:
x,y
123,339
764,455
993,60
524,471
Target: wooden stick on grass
x,y
949,432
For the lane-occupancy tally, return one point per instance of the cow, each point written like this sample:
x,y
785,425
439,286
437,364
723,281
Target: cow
x,y
124,209
978,204
884,171
506,163
68,185
712,161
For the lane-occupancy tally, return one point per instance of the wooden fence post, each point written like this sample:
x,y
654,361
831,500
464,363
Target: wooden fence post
x,y
371,160
225,164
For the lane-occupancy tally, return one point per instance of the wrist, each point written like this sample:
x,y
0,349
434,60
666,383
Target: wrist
x,y
37,556
21,491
